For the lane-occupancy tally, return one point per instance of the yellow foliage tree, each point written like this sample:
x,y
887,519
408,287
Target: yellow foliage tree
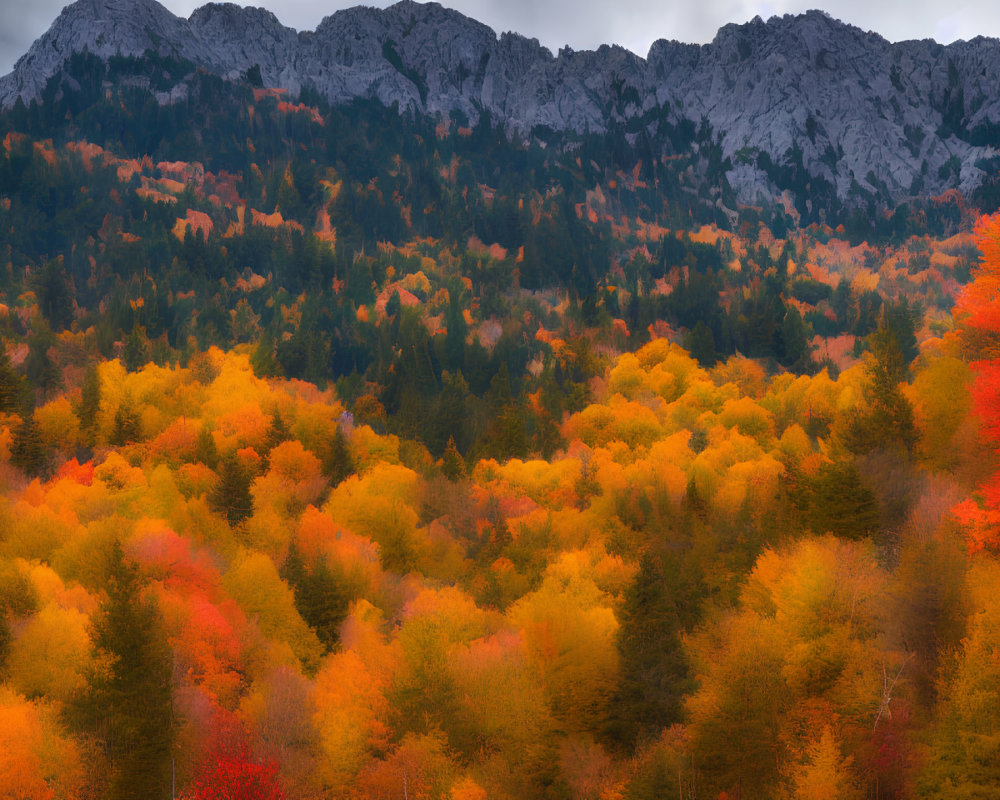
x,y
254,583
505,715
294,479
745,373
570,630
825,774
58,425
942,402
51,656
749,418
350,718
379,506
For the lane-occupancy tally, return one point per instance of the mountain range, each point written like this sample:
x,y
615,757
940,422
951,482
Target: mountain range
x,y
868,117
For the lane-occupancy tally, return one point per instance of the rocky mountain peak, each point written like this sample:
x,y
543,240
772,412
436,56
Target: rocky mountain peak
x,y
801,93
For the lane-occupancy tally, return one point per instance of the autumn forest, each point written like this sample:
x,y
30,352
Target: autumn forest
x,y
350,454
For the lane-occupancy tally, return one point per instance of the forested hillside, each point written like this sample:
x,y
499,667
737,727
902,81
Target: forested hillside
x,y
352,454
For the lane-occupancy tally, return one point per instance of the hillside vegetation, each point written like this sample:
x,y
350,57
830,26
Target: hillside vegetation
x,y
351,455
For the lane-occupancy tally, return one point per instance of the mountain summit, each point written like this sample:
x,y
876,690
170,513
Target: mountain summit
x,y
805,92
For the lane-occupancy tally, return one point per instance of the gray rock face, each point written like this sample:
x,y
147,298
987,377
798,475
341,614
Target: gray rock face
x,y
912,118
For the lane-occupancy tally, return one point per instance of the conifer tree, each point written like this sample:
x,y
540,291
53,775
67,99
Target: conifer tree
x,y
205,450
885,420
90,402
337,463
39,368
654,666
26,451
55,294
841,503
262,357
129,702
319,597
232,496
136,354
11,385
128,427
453,465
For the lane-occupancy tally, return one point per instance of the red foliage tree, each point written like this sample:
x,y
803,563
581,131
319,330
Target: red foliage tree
x,y
236,775
978,312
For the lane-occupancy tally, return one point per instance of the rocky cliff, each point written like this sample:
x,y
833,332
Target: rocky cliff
x,y
858,114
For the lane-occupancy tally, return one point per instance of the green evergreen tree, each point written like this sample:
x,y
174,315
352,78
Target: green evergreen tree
x,y
700,342
13,392
500,393
54,290
90,402
547,438
453,465
39,367
320,598
232,496
655,673
253,76
797,354
262,359
129,703
277,432
885,418
337,461
136,353
450,416
205,450
456,329
128,426
27,452
841,502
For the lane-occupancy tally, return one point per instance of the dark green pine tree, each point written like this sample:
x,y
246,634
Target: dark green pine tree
x,y
277,433
27,452
655,673
129,704
797,353
12,390
456,330
700,342
453,465
54,289
884,420
205,450
39,368
136,353
90,403
321,599
337,461
449,418
128,426
232,496
841,503
262,359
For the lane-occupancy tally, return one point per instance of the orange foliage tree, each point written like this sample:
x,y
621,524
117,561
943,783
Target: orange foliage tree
x,y
36,761
978,312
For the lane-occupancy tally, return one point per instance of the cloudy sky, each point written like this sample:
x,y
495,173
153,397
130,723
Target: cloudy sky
x,y
584,24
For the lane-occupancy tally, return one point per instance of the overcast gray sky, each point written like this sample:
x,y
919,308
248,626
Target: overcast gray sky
x,y
585,24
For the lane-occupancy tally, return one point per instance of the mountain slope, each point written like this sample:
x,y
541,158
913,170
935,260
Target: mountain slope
x,y
802,102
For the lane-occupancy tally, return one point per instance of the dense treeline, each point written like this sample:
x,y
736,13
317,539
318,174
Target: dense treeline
x,y
246,578
232,215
